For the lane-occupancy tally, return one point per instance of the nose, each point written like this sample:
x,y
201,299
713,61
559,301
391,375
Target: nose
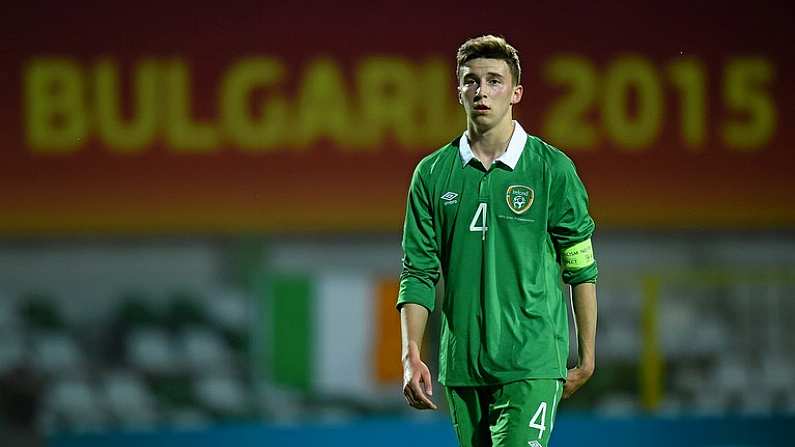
x,y
480,91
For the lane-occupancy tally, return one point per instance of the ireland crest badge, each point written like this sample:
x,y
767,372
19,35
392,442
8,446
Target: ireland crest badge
x,y
519,198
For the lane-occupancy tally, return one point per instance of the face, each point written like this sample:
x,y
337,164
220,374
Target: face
x,y
487,92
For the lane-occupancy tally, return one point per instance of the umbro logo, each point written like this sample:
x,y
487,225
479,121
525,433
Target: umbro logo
x,y
534,444
448,196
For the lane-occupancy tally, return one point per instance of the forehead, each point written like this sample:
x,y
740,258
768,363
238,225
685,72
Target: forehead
x,y
482,66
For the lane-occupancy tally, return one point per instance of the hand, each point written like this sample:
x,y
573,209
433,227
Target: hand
x,y
575,378
417,387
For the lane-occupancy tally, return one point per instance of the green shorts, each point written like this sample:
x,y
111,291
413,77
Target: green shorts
x,y
516,414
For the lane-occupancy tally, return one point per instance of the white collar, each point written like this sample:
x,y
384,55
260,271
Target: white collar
x,y
511,155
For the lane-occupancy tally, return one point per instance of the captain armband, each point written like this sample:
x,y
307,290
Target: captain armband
x,y
577,256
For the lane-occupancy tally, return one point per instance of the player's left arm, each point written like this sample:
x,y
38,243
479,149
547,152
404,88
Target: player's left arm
x,y
571,228
584,303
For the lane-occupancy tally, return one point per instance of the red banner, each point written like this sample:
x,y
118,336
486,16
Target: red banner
x,y
310,117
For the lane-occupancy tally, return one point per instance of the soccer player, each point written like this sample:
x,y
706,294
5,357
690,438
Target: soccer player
x,y
502,215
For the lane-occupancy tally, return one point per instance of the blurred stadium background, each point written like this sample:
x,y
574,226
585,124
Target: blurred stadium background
x,y
201,206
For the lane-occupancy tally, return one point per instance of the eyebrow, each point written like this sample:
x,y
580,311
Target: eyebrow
x,y
490,73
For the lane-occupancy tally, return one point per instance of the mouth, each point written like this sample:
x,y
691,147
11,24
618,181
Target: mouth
x,y
481,107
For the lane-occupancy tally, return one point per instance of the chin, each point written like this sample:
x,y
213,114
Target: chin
x,y
483,120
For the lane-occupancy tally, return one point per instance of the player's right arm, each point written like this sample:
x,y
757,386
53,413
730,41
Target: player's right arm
x,y
417,388
417,294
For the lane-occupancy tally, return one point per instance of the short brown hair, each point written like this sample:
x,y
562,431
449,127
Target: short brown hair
x,y
490,47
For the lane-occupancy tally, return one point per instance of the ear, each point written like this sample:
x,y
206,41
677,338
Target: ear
x,y
517,94
459,94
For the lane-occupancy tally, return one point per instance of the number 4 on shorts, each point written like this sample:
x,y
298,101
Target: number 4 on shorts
x,y
540,413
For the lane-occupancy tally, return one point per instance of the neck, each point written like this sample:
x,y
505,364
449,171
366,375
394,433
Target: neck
x,y
489,144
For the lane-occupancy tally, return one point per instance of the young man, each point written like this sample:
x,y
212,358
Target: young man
x,y
501,214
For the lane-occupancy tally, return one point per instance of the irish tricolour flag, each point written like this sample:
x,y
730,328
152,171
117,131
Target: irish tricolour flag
x,y
334,333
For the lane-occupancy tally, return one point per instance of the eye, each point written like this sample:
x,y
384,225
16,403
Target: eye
x,y
495,82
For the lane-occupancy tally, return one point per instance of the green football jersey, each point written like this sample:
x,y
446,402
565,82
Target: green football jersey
x,y
502,238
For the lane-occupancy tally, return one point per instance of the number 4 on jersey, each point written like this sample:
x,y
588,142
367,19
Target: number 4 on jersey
x,y
480,213
540,413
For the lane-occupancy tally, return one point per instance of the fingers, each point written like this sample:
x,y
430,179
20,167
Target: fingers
x,y
416,397
426,402
417,386
409,397
570,387
412,397
567,390
575,379
426,378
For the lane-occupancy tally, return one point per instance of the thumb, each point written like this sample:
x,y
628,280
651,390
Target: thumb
x,y
426,377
